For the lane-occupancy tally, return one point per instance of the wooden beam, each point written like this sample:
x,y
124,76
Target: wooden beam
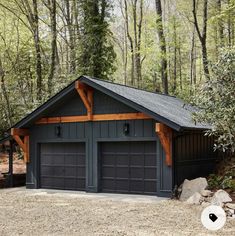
x,y
121,116
165,135
90,100
86,94
100,117
62,119
19,132
23,143
26,153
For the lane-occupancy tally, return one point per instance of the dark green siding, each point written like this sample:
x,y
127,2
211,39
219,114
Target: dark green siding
x,y
94,133
194,156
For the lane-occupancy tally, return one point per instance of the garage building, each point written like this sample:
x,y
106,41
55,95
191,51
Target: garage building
x,y
98,136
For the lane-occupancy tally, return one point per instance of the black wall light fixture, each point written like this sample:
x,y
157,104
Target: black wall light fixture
x,y
126,128
58,130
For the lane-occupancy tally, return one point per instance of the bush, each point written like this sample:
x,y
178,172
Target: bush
x,y
216,98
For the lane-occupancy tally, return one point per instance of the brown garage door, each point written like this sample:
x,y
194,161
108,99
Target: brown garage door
x,y
63,166
128,167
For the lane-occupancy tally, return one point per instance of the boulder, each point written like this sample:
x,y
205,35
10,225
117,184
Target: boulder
x,y
220,197
190,187
205,204
229,212
196,198
206,193
230,205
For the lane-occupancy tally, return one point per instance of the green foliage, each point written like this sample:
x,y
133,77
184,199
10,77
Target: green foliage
x,y
223,182
216,98
96,50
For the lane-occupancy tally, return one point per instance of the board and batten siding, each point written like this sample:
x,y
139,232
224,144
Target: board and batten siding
x,y
92,133
193,156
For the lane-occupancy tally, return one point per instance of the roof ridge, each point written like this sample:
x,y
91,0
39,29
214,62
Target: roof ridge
x,y
128,86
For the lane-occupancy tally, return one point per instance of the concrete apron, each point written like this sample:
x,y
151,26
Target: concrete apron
x,y
132,198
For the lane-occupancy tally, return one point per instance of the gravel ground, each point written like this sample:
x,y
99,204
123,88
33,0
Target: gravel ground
x,y
25,212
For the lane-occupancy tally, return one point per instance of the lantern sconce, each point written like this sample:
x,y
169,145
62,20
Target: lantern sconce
x,y
58,130
126,128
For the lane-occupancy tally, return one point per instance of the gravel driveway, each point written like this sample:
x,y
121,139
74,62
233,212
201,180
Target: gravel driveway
x,y
34,212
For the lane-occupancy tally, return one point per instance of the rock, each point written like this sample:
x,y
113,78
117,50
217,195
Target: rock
x,y
206,193
192,186
205,204
232,217
220,197
229,212
230,205
196,198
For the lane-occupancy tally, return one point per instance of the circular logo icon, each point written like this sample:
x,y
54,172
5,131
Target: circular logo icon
x,y
213,217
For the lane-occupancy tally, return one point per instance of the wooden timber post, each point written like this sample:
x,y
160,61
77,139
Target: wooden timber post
x,y
21,136
86,94
165,135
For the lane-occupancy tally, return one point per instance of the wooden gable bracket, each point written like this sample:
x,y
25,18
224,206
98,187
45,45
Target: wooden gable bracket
x,y
86,94
165,135
17,134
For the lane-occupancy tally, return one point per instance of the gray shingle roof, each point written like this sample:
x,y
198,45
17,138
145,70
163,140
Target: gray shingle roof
x,y
167,107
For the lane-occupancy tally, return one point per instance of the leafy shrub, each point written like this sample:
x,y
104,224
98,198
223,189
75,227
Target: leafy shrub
x,y
216,98
221,182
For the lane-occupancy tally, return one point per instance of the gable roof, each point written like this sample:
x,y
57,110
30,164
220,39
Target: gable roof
x,y
166,109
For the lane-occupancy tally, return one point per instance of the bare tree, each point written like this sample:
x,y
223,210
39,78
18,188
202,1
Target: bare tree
x,y
51,5
162,42
131,42
202,35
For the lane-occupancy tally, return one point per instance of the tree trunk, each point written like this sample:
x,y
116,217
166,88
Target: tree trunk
x,y
220,24
202,35
71,36
52,8
37,49
175,57
162,42
5,94
131,43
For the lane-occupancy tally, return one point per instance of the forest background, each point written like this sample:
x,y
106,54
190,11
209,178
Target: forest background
x,y
165,46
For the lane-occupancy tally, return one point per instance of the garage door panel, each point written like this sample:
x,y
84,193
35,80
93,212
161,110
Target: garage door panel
x,y
71,159
128,167
106,183
71,183
70,171
46,170
149,173
122,185
137,159
108,159
46,159
150,160
81,172
57,171
63,166
137,172
122,172
108,172
46,181
122,160
58,159
136,186
58,182
150,186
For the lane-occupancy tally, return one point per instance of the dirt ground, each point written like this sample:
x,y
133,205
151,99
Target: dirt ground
x,y
19,166
29,212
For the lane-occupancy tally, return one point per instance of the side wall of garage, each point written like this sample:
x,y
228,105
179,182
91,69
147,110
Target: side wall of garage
x,y
194,156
